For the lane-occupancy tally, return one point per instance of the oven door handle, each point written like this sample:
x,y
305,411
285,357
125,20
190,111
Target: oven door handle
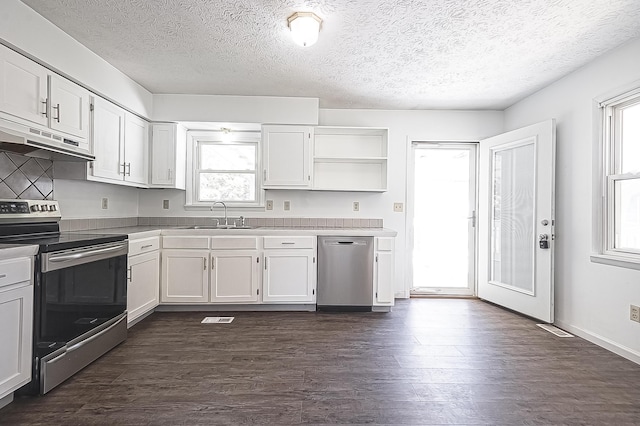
x,y
81,255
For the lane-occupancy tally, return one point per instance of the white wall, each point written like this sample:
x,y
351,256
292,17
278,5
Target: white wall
x,y
403,126
236,109
592,300
22,28
83,200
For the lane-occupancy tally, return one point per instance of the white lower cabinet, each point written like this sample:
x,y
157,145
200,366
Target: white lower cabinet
x,y
290,271
143,284
383,284
234,276
185,276
16,324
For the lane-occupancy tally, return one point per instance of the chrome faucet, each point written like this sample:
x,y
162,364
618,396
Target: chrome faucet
x,y
225,210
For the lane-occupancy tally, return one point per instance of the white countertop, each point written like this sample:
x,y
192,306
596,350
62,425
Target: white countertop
x,y
12,251
136,232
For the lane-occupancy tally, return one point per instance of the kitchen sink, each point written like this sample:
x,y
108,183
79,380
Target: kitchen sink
x,y
219,227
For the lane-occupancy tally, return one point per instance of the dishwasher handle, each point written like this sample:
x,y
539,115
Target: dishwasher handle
x,y
345,243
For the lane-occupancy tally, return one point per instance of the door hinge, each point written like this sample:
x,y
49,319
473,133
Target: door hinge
x,y
205,263
313,292
91,107
265,264
314,260
376,258
257,259
258,291
309,178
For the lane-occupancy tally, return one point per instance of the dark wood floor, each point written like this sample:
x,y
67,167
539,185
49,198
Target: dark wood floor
x,y
430,361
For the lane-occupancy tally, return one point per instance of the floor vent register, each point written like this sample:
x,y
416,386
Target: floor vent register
x,y
217,320
554,330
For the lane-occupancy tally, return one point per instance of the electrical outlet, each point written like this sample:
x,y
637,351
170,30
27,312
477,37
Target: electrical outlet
x,y
398,207
356,206
287,205
105,203
165,204
634,313
269,204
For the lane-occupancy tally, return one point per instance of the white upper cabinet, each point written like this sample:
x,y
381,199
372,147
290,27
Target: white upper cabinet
x,y
136,143
168,156
69,107
350,159
108,139
23,87
32,95
120,145
286,153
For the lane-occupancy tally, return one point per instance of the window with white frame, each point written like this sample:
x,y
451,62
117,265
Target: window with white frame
x,y
224,170
621,185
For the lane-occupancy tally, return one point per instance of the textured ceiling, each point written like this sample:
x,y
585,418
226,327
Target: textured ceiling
x,y
390,54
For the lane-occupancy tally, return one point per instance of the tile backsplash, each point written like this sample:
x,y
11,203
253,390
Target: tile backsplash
x,y
25,177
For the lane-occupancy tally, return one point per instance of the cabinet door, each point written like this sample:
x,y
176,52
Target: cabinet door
x,y
383,277
185,276
144,284
108,140
136,139
16,320
23,87
69,107
289,276
234,276
287,156
163,149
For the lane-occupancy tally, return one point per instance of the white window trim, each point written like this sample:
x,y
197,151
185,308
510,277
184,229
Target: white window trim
x,y
193,137
604,180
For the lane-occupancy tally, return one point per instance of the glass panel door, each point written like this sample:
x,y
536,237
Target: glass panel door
x,y
443,204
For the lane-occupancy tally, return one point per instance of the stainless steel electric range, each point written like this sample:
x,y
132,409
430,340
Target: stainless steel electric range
x,y
80,291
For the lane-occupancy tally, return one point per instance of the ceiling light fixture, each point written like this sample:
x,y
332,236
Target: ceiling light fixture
x,y
305,27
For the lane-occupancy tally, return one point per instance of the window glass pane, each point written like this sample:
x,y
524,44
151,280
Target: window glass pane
x,y
631,139
227,187
512,238
227,157
627,213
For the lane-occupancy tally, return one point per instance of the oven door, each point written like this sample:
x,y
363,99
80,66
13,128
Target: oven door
x,y
80,290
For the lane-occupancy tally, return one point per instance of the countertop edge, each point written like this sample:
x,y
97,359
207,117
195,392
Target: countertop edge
x,y
11,251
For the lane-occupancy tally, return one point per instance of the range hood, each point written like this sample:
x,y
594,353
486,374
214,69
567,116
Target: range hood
x,y
33,142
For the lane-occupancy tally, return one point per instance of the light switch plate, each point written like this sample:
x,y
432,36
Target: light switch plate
x,y
269,204
287,205
398,207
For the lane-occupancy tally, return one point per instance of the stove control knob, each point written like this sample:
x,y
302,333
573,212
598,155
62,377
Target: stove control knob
x,y
35,208
43,207
52,208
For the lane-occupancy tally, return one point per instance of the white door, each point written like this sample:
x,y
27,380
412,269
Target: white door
x,y
516,219
108,140
163,152
287,156
442,208
234,276
23,87
69,107
185,276
143,288
136,140
289,276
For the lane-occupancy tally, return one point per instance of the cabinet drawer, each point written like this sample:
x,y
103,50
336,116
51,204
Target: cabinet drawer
x,y
185,242
143,245
384,244
234,243
289,242
15,271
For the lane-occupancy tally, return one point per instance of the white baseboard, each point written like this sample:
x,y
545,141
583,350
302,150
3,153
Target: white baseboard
x,y
623,351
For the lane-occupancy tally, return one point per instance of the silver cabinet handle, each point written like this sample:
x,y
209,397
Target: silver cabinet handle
x,y
129,273
128,169
170,174
3,275
46,108
286,243
146,246
205,263
124,168
57,107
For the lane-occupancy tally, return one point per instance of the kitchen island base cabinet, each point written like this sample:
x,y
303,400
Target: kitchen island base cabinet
x,y
234,276
289,276
185,276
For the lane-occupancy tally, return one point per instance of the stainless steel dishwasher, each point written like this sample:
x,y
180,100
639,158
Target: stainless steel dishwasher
x,y
345,273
